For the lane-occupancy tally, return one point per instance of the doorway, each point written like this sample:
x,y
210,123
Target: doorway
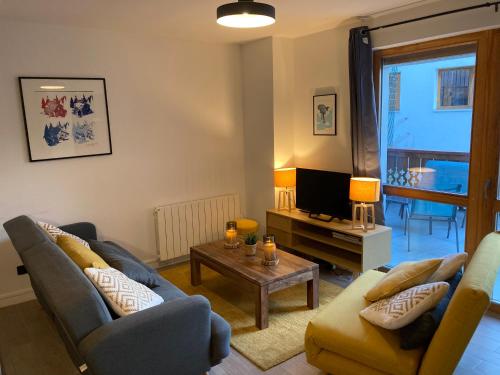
x,y
439,125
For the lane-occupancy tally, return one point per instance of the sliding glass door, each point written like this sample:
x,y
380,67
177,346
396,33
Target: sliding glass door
x,y
426,120
439,127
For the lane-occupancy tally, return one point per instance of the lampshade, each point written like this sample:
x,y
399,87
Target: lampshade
x,y
245,14
364,189
284,177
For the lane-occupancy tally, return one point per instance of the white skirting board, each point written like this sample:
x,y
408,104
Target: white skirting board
x,y
182,225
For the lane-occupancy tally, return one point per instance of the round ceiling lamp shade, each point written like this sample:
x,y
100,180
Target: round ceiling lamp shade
x,y
246,14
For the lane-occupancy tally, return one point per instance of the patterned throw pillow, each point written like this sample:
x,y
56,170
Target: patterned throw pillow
x,y
54,231
403,308
125,296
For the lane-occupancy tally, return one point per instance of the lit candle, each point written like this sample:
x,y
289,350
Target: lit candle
x,y
231,236
269,248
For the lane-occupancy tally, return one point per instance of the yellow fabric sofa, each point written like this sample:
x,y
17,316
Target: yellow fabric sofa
x,y
340,342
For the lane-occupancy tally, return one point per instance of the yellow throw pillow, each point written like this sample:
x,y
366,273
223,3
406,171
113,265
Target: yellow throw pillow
x,y
82,256
403,276
449,267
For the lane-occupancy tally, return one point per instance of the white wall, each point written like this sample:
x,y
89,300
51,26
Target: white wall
x,y
176,125
321,67
283,96
257,68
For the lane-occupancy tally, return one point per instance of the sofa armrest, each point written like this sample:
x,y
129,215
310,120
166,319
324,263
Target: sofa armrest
x,y
86,231
171,338
221,337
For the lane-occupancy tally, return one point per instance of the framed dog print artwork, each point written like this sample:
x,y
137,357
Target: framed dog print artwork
x,y
325,114
65,117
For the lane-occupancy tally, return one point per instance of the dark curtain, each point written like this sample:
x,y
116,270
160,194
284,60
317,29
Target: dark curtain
x,y
364,124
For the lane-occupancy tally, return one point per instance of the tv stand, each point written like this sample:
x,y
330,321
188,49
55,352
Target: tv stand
x,y
318,217
333,241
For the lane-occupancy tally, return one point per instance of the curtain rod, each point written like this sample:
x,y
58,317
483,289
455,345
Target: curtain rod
x,y
484,5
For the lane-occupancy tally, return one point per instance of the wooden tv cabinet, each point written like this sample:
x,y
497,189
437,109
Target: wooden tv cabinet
x,y
335,242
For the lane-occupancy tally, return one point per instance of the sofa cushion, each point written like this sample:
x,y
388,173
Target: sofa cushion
x,y
448,267
405,275
168,291
80,254
125,295
339,329
405,307
55,232
420,332
67,293
85,230
120,260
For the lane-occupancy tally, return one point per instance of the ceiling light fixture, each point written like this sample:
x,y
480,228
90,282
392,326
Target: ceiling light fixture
x,y
246,14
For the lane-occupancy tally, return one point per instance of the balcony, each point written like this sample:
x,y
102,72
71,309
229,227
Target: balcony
x,y
421,241
408,167
423,229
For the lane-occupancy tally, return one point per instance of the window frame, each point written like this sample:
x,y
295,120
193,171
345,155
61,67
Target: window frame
x,y
470,96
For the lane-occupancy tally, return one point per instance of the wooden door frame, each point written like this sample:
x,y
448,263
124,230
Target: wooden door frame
x,y
495,112
482,166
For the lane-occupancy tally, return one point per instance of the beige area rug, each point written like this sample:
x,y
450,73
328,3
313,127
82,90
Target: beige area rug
x,y
288,314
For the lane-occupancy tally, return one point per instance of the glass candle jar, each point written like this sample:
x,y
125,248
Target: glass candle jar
x,y
269,248
231,235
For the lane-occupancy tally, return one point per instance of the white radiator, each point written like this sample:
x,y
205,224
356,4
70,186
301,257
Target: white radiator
x,y
182,225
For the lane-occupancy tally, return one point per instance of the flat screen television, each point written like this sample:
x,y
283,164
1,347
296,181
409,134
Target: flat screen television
x,y
323,192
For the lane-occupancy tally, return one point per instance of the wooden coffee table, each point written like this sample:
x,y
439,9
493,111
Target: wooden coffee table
x,y
249,271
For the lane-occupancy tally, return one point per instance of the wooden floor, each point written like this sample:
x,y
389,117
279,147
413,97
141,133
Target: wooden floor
x,y
29,344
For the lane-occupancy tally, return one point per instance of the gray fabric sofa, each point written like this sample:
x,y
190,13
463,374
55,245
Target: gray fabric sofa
x,y
180,336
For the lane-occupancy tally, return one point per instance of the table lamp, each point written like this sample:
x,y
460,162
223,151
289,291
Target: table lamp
x,y
365,191
284,178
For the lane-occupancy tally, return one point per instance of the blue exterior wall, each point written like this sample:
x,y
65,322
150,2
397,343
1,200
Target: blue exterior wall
x,y
418,124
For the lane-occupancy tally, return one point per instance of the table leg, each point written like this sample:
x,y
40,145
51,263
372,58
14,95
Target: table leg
x,y
262,308
313,290
195,271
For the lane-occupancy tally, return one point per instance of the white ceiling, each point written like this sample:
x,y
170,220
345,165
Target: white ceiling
x,y
191,19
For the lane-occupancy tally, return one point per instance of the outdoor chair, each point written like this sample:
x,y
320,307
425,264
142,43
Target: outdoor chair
x,y
440,175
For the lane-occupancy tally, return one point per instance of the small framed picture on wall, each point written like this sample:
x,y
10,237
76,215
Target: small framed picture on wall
x,y
325,114
65,117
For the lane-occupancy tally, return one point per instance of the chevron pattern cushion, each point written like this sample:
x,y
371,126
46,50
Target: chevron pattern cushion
x,y
125,296
403,308
54,231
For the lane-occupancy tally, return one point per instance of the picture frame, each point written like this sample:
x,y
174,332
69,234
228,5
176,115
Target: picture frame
x,y
325,114
65,117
